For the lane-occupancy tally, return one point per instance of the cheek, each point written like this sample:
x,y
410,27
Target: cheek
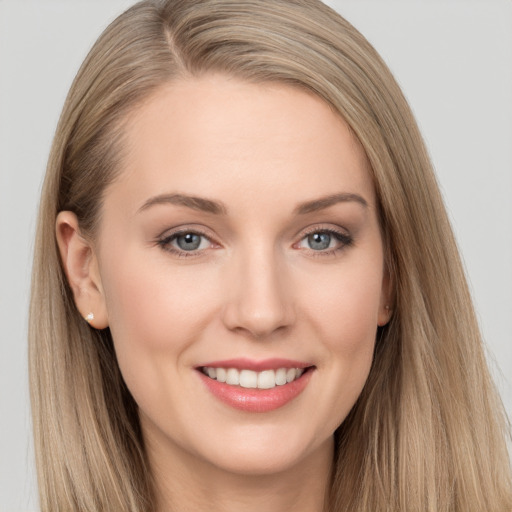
x,y
149,305
344,315
155,314
346,308
349,327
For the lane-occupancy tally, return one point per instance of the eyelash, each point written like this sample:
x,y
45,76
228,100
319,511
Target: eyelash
x,y
165,242
344,239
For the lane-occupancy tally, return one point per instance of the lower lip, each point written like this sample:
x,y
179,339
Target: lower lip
x,y
257,400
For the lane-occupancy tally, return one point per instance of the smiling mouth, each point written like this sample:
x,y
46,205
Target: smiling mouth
x,y
249,379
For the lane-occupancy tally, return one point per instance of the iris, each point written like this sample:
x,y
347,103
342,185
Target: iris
x,y
319,241
189,241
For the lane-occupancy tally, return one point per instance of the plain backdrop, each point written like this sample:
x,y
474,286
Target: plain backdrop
x,y
454,62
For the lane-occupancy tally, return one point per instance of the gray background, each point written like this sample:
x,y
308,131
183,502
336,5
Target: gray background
x,y
454,62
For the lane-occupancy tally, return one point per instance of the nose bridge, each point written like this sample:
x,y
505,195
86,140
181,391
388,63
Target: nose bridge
x,y
260,301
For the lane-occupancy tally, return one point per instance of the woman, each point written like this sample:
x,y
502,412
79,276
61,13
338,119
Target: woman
x,y
246,291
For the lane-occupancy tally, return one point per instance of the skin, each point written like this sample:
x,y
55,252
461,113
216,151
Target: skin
x,y
255,288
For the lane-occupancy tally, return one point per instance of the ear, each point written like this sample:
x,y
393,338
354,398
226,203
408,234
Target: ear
x,y
81,267
386,300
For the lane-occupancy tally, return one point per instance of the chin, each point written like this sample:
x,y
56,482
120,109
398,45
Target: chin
x,y
265,453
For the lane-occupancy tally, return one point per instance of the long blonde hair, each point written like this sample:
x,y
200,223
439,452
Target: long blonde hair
x,y
428,431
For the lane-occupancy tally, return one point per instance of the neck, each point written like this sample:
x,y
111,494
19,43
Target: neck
x,y
186,483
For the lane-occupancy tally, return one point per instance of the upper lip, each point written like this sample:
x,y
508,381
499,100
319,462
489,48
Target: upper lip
x,y
254,365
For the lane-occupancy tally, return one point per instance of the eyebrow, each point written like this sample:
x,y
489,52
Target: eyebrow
x,y
196,203
218,208
326,201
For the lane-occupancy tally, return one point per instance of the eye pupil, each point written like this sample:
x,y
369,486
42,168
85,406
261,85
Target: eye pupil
x,y
319,241
188,241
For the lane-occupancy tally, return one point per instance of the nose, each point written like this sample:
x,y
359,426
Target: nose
x,y
259,297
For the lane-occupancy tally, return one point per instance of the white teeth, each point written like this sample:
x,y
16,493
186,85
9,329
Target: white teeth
x,y
290,374
248,379
221,374
233,377
281,376
265,379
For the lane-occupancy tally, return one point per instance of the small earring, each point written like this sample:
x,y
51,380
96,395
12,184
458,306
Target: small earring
x,y
386,307
89,318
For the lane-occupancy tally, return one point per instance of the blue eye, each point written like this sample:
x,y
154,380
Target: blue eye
x,y
319,241
185,243
188,241
325,241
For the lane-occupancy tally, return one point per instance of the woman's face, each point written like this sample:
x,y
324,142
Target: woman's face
x,y
241,239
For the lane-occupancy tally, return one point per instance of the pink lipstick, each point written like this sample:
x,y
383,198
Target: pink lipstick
x,y
256,386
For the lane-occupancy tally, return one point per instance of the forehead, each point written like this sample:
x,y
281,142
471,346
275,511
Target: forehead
x,y
215,136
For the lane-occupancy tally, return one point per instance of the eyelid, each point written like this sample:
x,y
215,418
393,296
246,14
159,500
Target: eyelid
x,y
164,240
168,236
323,228
344,237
